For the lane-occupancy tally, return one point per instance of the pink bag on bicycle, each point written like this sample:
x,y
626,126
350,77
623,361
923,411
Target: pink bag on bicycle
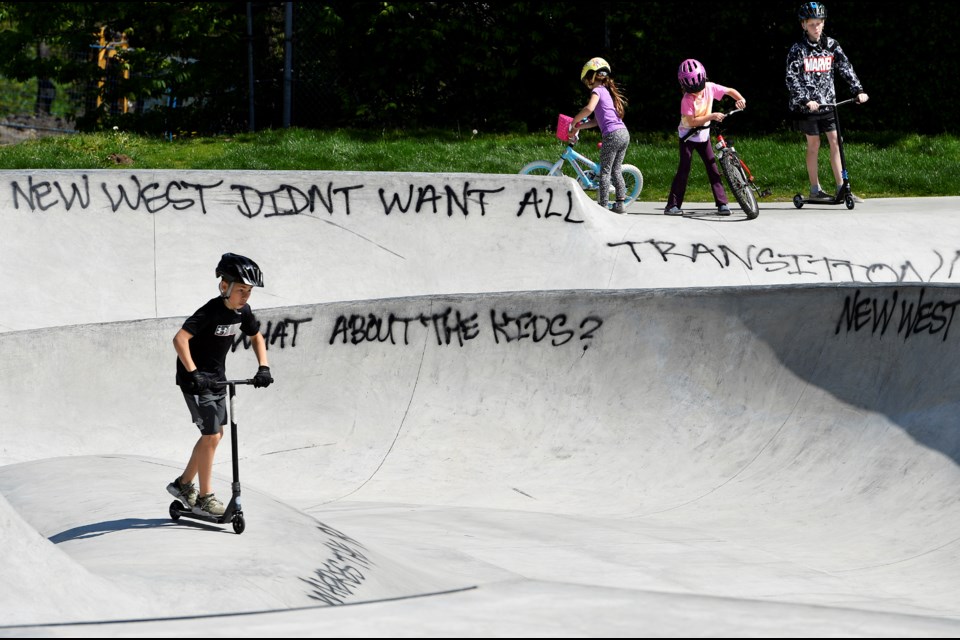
x,y
563,127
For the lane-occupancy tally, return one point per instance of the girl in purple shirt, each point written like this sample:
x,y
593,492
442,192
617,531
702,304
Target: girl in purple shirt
x,y
605,110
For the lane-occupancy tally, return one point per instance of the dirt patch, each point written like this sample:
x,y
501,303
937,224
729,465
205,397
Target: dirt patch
x,y
17,128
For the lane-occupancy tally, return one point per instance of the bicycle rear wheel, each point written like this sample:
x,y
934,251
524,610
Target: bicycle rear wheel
x,y
739,185
538,168
634,181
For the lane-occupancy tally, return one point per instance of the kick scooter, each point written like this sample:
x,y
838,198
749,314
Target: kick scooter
x,y
233,512
844,194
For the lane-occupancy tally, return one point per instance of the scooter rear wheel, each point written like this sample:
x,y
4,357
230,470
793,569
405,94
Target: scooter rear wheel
x,y
175,508
798,201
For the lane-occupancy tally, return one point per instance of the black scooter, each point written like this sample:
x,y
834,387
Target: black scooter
x,y
844,194
233,512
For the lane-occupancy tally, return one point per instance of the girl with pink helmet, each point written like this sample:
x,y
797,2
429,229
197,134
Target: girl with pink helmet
x,y
696,109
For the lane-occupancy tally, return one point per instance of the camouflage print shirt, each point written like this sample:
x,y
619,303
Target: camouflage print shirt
x,y
810,68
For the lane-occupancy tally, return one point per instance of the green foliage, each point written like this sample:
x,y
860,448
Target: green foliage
x,y
506,67
880,166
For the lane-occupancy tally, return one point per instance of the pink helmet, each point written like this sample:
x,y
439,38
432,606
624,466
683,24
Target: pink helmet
x,y
692,76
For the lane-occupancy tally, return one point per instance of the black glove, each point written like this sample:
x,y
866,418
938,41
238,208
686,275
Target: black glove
x,y
198,382
263,377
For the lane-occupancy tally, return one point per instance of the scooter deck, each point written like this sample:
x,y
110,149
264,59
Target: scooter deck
x,y
233,516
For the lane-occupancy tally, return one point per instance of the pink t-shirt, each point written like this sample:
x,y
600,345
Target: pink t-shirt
x,y
699,104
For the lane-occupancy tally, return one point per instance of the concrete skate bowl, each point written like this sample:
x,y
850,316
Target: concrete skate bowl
x,y
764,460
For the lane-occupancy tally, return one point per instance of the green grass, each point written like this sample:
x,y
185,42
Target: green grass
x,y
903,165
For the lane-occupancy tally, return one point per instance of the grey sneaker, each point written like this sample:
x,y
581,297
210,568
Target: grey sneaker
x,y
618,207
723,210
185,493
819,194
209,505
673,211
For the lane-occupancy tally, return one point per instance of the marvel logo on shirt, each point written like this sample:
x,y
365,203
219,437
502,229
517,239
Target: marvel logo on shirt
x,y
818,64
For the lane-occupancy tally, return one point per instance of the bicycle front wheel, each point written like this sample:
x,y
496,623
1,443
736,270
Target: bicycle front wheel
x,y
538,168
739,185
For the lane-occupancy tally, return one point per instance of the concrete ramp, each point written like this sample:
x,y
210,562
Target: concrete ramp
x,y
101,246
776,460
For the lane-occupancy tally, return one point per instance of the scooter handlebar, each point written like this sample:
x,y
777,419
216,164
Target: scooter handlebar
x,y
223,383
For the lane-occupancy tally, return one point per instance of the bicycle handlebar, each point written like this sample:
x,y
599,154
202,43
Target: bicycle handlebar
x,y
708,124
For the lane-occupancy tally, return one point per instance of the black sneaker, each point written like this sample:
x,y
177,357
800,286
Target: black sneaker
x,y
855,197
820,194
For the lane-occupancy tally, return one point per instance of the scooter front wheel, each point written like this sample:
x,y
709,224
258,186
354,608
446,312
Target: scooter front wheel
x,y
849,201
239,524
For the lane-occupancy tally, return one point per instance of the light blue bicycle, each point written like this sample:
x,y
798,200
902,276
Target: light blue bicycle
x,y
587,173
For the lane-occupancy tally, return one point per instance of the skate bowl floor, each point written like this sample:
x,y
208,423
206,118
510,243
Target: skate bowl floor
x,y
656,445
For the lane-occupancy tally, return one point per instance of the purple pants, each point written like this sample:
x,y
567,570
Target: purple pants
x,y
679,186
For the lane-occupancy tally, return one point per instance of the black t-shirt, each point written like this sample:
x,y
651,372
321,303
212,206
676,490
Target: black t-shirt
x,y
215,328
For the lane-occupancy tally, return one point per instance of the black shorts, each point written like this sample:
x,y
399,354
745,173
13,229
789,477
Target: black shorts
x,y
814,125
208,411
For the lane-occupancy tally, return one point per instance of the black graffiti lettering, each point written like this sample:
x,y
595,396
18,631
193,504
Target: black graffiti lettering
x,y
925,316
316,195
727,252
357,328
199,188
908,266
35,194
832,263
770,264
527,325
395,201
633,248
794,264
273,333
288,200
428,196
953,264
532,198
78,194
594,323
670,246
152,197
874,272
699,248
916,317
463,328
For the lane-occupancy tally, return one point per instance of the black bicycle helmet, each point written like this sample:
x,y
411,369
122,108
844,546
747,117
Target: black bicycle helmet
x,y
236,268
814,10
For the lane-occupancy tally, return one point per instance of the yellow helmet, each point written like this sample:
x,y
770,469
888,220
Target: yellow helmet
x,y
597,65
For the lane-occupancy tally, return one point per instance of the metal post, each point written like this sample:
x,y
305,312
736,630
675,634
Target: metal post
x,y
287,62
252,125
